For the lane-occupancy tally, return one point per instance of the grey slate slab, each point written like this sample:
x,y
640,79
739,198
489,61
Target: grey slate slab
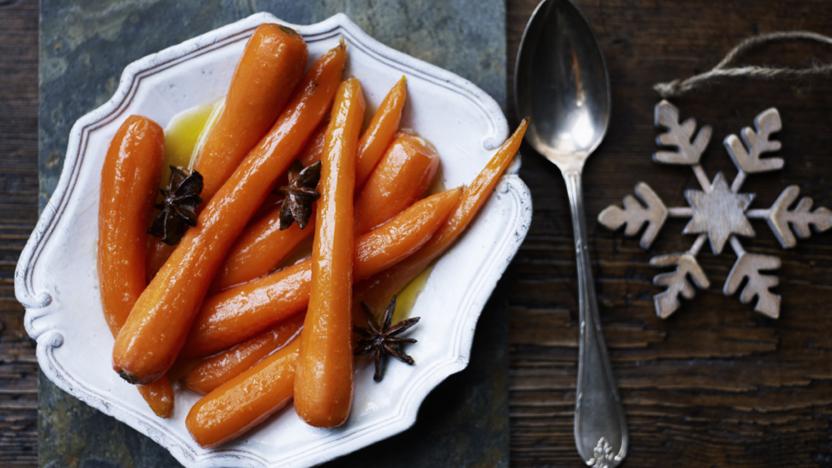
x,y
84,46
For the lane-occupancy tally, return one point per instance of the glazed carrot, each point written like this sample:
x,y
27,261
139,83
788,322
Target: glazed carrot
x,y
157,254
380,248
158,325
219,368
309,154
323,381
243,311
260,249
312,152
271,66
129,180
379,133
263,245
381,289
400,178
245,401
159,396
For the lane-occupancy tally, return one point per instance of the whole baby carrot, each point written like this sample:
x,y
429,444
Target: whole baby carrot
x,y
271,67
382,288
323,381
217,369
158,325
400,178
260,249
245,401
312,151
129,180
264,245
238,313
380,131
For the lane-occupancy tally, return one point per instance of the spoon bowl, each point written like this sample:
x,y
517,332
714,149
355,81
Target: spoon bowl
x,y
561,82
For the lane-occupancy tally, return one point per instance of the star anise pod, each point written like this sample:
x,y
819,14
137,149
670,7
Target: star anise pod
x,y
177,210
300,194
382,341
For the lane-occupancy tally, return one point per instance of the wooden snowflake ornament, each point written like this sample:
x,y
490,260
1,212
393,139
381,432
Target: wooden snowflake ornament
x,y
718,213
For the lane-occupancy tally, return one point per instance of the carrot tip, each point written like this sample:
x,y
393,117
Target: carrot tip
x,y
130,378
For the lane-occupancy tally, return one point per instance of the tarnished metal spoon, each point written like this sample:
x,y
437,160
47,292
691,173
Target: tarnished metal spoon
x,y
561,82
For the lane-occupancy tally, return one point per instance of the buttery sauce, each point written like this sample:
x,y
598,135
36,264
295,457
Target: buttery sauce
x,y
408,296
182,136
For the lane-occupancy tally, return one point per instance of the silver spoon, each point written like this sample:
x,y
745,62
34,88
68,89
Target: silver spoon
x,y
561,82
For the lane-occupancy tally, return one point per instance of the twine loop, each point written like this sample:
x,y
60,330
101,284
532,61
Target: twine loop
x,y
723,68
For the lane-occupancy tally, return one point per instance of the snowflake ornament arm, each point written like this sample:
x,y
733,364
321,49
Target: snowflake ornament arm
x,y
689,148
751,266
718,214
634,215
679,282
746,153
802,218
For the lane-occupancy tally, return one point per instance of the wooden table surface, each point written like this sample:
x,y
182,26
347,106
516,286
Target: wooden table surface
x,y
714,385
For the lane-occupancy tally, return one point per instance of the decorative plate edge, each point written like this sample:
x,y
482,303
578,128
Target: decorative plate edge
x,y
37,303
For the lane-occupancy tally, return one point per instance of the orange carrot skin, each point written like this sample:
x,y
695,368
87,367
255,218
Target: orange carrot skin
x,y
312,152
271,66
375,253
158,325
129,180
217,418
245,401
323,380
263,245
157,254
400,178
380,290
159,395
260,249
219,368
238,313
380,132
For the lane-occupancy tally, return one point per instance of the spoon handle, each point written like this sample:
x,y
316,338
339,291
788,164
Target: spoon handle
x,y
600,428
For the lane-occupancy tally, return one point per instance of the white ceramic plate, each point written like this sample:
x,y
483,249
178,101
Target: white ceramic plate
x,y
56,277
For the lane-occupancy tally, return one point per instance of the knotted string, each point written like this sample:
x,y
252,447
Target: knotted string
x,y
721,70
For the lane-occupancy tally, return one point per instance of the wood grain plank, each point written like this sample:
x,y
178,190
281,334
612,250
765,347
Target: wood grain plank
x,y
18,213
716,384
